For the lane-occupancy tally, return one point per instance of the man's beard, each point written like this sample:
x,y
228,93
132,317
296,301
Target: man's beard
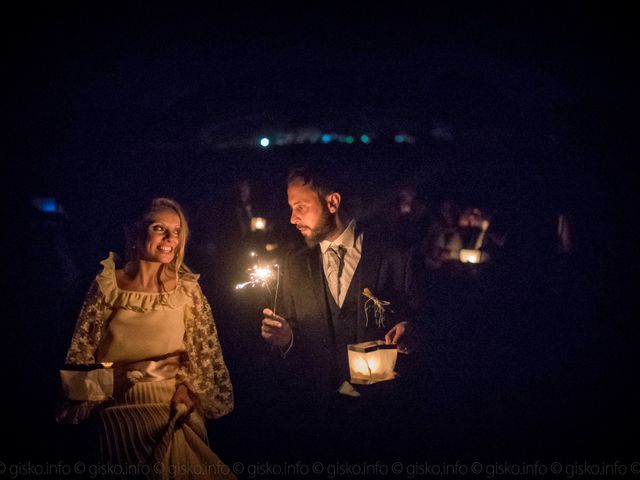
x,y
326,225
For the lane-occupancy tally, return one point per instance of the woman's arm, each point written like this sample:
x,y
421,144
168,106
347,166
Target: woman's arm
x,y
205,373
88,331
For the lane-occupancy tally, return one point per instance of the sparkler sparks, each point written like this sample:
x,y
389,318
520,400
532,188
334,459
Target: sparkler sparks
x,y
262,276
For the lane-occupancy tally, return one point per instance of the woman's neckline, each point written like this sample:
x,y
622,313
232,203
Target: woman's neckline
x,y
125,290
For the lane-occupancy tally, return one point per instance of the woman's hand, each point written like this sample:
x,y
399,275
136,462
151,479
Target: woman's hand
x,y
182,395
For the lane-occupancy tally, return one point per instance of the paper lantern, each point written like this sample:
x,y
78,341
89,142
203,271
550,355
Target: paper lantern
x,y
372,362
471,256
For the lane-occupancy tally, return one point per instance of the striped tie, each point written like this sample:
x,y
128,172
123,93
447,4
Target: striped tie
x,y
336,265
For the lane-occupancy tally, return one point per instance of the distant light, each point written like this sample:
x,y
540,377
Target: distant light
x,y
348,139
270,247
264,141
46,204
258,224
404,138
326,138
365,138
471,256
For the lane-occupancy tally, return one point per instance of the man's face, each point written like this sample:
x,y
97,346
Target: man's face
x,y
309,214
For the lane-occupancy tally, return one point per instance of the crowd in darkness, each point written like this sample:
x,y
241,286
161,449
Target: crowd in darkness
x,y
514,363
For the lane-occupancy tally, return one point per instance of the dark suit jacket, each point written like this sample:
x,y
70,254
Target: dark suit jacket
x,y
318,357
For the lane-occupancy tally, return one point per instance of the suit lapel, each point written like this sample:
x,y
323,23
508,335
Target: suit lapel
x,y
316,280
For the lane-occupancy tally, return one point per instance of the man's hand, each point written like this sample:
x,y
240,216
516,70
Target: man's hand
x,y
401,336
275,329
182,395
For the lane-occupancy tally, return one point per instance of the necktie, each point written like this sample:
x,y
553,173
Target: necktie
x,y
336,265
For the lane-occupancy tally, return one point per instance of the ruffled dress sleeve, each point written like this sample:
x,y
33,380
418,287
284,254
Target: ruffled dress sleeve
x,y
89,328
205,372
84,344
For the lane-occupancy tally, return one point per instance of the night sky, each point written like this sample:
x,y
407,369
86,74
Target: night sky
x,y
112,103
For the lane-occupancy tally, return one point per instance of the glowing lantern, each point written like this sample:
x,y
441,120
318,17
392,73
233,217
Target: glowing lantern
x,y
258,224
471,256
372,362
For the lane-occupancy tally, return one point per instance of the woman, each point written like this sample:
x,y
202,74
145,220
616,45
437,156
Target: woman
x,y
151,320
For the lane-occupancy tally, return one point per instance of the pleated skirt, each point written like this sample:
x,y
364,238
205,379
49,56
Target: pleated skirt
x,y
141,437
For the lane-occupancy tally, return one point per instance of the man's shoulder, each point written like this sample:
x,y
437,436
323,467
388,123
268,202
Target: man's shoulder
x,y
379,240
299,255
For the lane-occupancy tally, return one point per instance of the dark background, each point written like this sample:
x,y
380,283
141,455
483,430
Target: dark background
x,y
521,109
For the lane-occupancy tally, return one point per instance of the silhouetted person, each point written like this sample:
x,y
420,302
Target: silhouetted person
x,y
443,241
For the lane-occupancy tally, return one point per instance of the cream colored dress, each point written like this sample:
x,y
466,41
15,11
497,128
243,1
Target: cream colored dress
x,y
155,341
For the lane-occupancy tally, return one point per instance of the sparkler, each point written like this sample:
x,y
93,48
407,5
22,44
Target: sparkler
x,y
261,276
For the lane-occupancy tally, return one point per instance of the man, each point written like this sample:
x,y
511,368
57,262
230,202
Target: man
x,y
322,308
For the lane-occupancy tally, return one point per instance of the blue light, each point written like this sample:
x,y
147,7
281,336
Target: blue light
x,y
348,139
45,204
264,141
365,138
399,138
326,138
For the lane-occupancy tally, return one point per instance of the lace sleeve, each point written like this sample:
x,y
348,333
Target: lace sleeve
x,y
205,372
88,331
84,343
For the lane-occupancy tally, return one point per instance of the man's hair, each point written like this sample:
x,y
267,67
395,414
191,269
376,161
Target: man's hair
x,y
319,179
324,179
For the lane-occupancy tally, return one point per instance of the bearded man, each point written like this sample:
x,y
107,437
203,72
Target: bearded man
x,y
322,308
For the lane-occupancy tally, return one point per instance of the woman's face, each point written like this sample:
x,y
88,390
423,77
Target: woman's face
x,y
163,238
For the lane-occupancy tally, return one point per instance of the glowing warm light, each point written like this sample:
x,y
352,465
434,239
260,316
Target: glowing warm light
x,y
470,256
359,364
270,247
106,364
259,276
258,224
372,362
264,276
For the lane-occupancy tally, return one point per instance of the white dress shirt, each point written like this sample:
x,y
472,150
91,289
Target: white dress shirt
x,y
353,246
